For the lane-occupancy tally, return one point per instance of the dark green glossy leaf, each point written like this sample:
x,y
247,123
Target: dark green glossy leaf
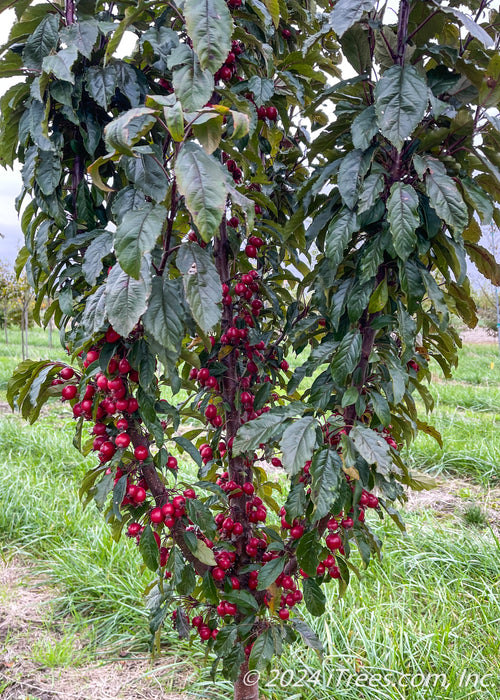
x,y
126,298
164,318
372,447
338,236
270,572
364,128
210,27
136,235
314,597
326,473
201,285
309,637
262,650
48,171
81,35
403,217
99,248
348,12
346,356
308,549
41,42
148,548
193,86
201,180
400,102
298,443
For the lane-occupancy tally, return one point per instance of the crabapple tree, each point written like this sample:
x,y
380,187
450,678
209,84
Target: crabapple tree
x,y
215,205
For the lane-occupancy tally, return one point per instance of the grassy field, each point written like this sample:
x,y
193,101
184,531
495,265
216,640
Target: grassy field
x,y
418,625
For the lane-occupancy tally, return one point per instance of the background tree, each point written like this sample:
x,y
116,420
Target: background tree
x,y
193,235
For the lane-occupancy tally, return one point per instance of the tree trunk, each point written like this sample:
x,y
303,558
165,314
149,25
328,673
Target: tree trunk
x,y
26,302
50,334
247,685
22,336
6,323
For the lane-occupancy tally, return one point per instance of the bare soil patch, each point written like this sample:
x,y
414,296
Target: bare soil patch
x,y
26,625
454,497
478,336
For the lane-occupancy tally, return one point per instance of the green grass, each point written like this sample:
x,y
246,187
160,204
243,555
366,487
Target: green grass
x,y
432,606
467,414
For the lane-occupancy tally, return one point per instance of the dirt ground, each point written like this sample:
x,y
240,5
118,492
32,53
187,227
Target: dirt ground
x,y
453,497
26,625
478,335
27,630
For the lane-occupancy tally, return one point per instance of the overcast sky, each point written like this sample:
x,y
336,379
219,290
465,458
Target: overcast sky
x,y
10,181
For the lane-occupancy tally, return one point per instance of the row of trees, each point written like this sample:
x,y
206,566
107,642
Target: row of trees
x,y
198,216
16,302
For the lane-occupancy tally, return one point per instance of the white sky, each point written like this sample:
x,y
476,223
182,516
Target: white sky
x,y
11,238
10,182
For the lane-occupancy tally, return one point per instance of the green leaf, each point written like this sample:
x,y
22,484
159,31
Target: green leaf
x,y
201,181
308,552
101,84
346,356
193,86
48,171
94,316
262,89
243,599
298,443
125,131
41,42
148,548
349,177
209,588
136,235
314,597
200,550
364,128
309,637
370,192
202,284
381,408
188,447
261,430
270,572
60,63
126,298
273,7
445,197
102,490
201,515
164,319
403,217
326,473
174,119
472,27
101,246
148,175
400,102
81,35
348,12
262,651
119,491
479,199
209,133
484,261
372,447
209,25
338,236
